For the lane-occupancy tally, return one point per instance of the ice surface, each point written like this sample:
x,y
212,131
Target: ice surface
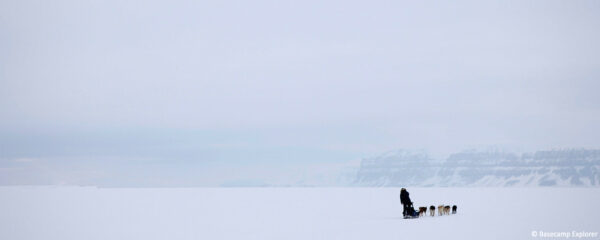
x,y
290,213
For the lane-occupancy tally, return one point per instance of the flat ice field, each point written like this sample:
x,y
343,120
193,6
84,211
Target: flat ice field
x,y
292,213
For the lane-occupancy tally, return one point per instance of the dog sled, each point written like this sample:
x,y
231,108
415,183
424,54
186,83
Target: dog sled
x,y
411,213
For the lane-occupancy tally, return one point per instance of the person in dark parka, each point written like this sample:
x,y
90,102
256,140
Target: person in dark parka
x,y
405,200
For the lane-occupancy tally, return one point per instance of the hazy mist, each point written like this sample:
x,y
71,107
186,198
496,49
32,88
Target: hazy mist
x,y
207,93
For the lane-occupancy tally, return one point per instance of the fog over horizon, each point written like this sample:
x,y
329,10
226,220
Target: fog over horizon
x,y
187,93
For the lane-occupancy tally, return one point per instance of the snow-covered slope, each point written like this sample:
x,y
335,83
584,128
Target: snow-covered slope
x,y
473,168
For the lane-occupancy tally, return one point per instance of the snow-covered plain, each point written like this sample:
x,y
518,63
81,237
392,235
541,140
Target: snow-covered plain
x,y
290,213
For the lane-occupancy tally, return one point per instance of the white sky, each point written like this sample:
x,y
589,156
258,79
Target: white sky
x,y
277,82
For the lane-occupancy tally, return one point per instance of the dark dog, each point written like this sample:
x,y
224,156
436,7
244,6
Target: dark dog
x,y
422,211
432,210
454,209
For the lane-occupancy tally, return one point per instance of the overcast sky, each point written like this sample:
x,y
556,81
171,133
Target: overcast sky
x,y
174,88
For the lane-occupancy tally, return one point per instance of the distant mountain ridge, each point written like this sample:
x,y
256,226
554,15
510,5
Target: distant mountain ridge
x,y
573,167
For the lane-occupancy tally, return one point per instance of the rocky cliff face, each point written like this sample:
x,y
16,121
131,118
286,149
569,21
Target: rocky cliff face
x,y
473,168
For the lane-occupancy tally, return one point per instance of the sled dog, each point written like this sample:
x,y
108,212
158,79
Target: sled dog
x,y
446,210
422,211
432,210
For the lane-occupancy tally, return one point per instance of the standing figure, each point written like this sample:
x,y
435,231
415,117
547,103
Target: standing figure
x,y
405,201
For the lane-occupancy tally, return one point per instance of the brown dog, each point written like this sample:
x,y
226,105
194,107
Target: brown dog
x,y
440,210
422,211
446,210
